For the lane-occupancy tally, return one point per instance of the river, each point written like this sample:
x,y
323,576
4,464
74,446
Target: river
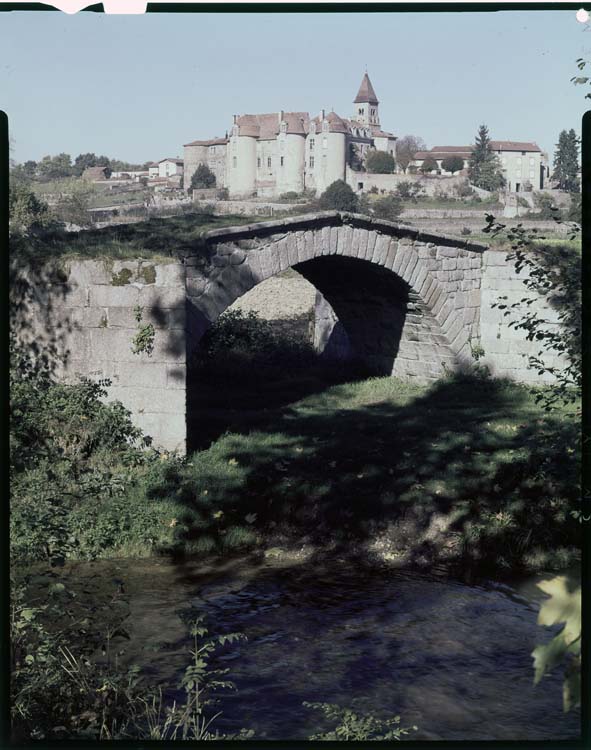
x,y
452,658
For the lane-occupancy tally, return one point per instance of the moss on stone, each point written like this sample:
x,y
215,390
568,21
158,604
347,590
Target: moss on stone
x,y
147,274
122,278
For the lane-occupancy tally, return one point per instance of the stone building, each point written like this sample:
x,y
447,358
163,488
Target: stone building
x,y
268,154
522,163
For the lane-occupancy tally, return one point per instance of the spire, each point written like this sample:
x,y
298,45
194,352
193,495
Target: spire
x,y
366,92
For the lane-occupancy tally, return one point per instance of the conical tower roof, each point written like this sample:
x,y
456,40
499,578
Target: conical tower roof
x,y
366,92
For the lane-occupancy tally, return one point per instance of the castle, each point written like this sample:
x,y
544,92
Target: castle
x,y
270,154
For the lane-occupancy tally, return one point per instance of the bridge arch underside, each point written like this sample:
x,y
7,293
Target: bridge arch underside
x,y
408,307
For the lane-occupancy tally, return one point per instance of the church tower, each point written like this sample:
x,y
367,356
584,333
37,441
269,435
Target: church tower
x,y
366,104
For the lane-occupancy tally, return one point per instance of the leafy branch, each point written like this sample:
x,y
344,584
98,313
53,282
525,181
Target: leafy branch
x,y
143,341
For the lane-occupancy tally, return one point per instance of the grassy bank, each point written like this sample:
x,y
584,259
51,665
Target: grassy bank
x,y
466,470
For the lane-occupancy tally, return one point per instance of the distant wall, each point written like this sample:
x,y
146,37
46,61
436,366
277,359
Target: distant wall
x,y
431,185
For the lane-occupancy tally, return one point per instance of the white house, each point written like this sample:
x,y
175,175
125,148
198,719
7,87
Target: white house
x,y
167,167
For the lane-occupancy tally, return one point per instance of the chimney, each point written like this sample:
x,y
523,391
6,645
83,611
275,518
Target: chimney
x,y
235,118
322,114
281,113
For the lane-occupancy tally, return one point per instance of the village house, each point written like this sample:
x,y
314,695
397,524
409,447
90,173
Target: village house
x,y
168,167
524,165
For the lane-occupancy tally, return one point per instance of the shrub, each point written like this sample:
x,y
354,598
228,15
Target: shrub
x,y
380,162
339,196
203,177
452,164
390,207
466,231
548,209
429,165
27,212
373,190
410,191
223,194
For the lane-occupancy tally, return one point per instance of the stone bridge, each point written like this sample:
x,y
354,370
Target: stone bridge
x,y
412,304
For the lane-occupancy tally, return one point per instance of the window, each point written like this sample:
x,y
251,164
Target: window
x,y
234,161
259,162
311,162
269,162
360,111
311,143
359,186
523,153
281,161
532,174
325,143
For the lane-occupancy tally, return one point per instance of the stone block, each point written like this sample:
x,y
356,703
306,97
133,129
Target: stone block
x,y
150,400
309,246
364,238
94,317
196,285
89,272
449,264
162,297
176,376
354,250
292,250
253,263
177,318
381,249
392,251
114,296
322,241
141,375
168,431
371,243
406,271
170,274
447,252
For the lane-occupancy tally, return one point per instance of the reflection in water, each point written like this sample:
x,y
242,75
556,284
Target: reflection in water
x,y
453,659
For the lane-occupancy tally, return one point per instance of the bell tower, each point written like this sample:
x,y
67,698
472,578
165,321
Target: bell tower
x,y
366,104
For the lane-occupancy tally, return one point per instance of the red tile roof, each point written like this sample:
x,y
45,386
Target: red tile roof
x,y
211,142
514,146
175,160
366,92
266,126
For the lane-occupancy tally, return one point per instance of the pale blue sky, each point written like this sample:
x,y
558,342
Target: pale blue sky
x,y
138,88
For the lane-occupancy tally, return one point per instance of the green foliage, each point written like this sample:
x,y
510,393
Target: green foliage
x,y
202,178
84,161
566,161
73,207
429,165
379,162
357,727
574,212
389,207
410,191
26,212
582,80
452,164
484,167
143,341
406,148
548,209
339,196
57,694
553,274
53,167
223,194
563,606
244,342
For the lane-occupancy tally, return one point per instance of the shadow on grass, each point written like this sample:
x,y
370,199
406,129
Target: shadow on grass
x,y
467,471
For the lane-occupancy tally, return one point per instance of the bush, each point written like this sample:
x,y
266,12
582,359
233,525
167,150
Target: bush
x,y
548,209
410,191
379,162
452,164
26,212
466,231
202,178
223,194
390,207
429,165
339,196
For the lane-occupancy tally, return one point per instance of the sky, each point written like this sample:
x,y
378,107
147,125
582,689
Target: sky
x,y
139,87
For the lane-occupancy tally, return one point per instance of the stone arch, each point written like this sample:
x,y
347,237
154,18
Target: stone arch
x,y
408,300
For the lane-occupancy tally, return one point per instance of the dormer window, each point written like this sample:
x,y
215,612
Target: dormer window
x,y
283,127
325,125
312,127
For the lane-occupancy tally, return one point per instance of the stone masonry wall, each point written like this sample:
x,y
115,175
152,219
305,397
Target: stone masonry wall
x,y
84,314
507,349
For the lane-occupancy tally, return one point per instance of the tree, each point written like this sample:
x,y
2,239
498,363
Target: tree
x,y
55,167
566,161
339,196
410,191
30,168
355,158
389,207
25,211
452,164
429,165
203,177
484,167
380,162
406,148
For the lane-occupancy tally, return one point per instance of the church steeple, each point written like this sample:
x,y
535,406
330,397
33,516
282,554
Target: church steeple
x,y
366,103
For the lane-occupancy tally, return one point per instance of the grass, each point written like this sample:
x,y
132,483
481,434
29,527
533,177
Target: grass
x,y
339,467
159,239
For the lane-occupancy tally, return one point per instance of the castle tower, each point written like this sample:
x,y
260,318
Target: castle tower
x,y
366,104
